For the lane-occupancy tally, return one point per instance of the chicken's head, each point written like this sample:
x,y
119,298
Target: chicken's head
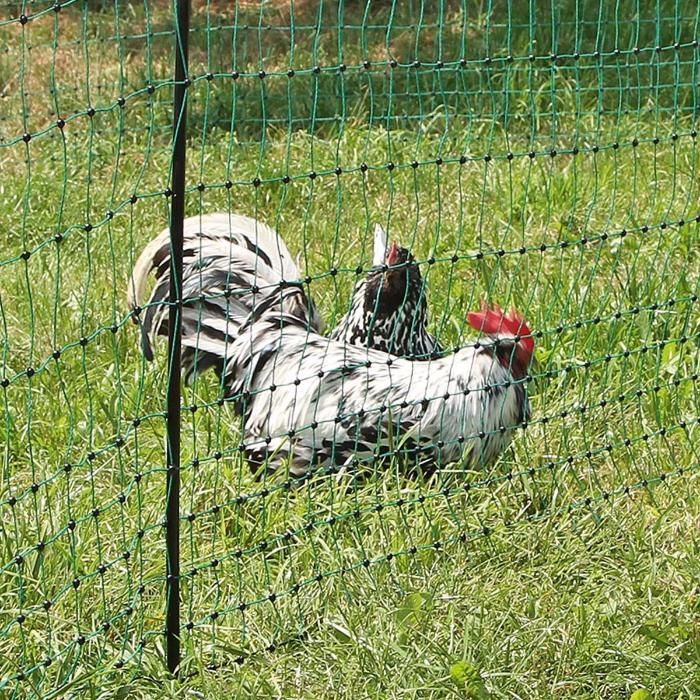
x,y
514,343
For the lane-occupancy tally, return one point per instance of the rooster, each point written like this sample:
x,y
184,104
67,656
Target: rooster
x,y
307,401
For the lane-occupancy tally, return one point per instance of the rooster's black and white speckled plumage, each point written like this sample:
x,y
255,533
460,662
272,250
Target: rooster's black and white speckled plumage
x,y
308,401
389,309
239,263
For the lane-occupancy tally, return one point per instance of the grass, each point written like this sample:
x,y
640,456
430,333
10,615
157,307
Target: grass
x,y
568,569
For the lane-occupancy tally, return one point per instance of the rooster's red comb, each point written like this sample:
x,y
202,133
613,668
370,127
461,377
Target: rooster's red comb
x,y
392,255
492,321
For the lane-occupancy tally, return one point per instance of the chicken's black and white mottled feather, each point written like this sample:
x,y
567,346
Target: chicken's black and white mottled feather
x,y
241,263
306,400
389,309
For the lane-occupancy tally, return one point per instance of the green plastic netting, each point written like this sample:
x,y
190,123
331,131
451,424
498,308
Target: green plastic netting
x,y
543,155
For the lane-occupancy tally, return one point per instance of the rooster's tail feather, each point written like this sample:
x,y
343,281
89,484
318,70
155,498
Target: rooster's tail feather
x,y
234,268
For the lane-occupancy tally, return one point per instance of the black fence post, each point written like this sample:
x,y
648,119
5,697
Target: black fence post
x,y
177,216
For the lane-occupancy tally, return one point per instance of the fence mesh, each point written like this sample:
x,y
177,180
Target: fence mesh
x,y
544,156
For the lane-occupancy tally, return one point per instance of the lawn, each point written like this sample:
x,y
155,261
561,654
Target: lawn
x,y
567,187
